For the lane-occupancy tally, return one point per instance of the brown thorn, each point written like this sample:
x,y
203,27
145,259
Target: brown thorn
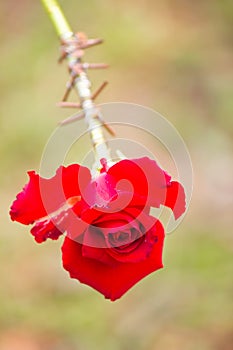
x,y
69,104
82,45
109,129
79,67
69,86
72,119
90,43
97,92
62,57
106,126
82,115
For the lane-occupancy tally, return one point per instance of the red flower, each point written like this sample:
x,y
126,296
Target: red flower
x,y
112,242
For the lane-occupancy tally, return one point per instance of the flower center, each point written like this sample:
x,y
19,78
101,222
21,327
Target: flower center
x,y
122,239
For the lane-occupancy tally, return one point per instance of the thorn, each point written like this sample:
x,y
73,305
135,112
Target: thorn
x,y
90,43
94,65
106,126
62,57
77,68
75,117
72,119
97,92
69,86
109,129
65,104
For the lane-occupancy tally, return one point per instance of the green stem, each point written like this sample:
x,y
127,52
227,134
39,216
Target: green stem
x,y
82,83
58,19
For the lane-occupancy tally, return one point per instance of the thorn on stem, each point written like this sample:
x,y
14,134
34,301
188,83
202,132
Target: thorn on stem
x,y
79,67
97,92
69,86
65,104
72,119
106,126
62,57
90,43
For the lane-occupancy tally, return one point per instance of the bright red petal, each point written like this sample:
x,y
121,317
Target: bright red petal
x,y
41,197
129,177
175,199
151,185
28,205
148,180
68,182
111,281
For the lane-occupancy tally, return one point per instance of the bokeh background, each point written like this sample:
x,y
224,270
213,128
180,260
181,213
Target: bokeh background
x,y
175,56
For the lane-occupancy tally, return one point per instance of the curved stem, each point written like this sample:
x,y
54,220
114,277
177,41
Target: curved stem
x,y
82,83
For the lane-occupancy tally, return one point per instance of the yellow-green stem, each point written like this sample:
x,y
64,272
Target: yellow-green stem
x,y
82,83
57,17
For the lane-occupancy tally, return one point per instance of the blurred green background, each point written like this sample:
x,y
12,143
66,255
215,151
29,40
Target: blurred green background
x,y
176,57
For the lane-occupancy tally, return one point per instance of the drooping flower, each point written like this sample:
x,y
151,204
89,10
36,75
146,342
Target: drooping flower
x,y
111,240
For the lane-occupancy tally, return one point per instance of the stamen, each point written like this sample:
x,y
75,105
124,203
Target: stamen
x,y
73,200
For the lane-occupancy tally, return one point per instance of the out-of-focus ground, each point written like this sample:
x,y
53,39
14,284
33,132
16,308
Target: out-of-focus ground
x,y
176,57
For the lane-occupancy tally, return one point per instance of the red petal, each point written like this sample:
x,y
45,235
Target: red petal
x,y
135,177
111,281
45,229
41,196
151,185
141,251
28,205
175,199
149,181
52,226
94,246
68,182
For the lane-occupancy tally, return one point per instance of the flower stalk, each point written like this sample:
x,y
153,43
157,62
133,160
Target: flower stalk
x,y
73,45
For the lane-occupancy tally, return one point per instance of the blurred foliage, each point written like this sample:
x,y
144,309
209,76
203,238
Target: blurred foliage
x,y
174,56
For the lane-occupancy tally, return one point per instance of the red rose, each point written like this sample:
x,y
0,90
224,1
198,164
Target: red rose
x,y
112,242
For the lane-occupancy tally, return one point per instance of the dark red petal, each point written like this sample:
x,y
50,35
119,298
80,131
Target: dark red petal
x,y
43,196
112,282
116,220
52,226
45,229
102,215
94,246
140,248
175,199
139,251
